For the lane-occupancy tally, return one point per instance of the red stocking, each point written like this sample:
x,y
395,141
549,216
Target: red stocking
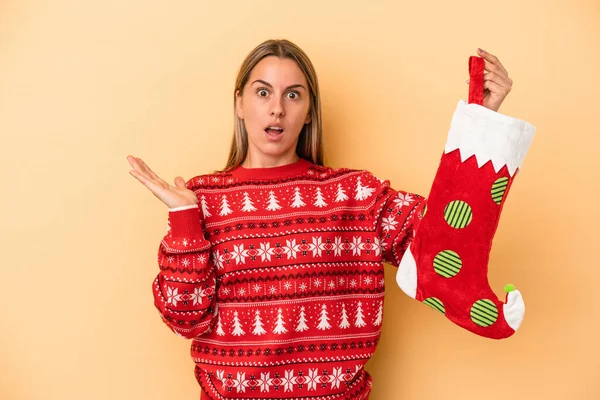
x,y
446,265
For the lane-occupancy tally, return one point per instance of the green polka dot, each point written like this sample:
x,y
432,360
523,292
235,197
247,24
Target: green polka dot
x,y
458,214
447,263
435,303
509,288
498,189
484,312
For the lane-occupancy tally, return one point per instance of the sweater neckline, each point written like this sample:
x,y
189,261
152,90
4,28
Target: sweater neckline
x,y
281,171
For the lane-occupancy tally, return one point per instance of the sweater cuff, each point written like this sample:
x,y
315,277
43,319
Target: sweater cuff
x,y
185,222
183,207
490,136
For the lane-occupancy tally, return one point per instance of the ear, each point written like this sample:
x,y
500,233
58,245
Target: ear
x,y
308,118
238,105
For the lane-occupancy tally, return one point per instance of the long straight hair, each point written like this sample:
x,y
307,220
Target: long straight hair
x,y
310,141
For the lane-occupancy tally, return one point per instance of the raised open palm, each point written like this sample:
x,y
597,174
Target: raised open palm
x,y
172,196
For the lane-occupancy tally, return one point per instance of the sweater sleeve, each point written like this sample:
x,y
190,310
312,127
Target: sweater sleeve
x,y
184,289
441,244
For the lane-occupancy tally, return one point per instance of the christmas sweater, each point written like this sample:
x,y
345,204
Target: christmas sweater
x,y
277,276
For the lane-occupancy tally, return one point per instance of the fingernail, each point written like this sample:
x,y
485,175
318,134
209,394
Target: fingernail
x,y
468,80
479,50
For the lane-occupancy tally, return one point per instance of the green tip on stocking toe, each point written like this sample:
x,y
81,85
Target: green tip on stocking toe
x,y
509,288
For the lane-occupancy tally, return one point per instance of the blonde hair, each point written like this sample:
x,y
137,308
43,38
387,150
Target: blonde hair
x,y
310,142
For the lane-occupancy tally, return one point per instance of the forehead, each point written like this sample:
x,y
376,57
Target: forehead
x,y
278,72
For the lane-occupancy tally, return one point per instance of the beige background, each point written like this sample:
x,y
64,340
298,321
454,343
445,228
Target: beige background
x,y
84,83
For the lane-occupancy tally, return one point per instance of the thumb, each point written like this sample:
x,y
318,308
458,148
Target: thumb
x,y
180,182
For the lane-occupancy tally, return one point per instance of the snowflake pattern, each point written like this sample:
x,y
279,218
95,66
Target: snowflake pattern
x,y
291,380
172,296
403,200
388,223
198,295
267,251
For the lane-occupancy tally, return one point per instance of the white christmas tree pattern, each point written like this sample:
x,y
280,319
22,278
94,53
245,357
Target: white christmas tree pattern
x,y
323,320
379,316
302,321
341,195
298,202
258,325
319,201
359,321
279,324
344,324
273,202
248,205
205,211
362,192
220,330
237,327
225,210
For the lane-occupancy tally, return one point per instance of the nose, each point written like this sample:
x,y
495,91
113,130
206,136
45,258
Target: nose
x,y
277,107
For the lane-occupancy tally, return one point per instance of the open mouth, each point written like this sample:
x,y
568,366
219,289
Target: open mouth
x,y
274,130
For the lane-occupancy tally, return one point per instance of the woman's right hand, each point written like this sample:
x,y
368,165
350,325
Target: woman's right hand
x,y
173,196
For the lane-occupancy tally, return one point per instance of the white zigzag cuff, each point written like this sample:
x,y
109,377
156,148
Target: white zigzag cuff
x,y
490,136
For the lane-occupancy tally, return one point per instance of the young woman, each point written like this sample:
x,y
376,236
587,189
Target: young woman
x,y
273,265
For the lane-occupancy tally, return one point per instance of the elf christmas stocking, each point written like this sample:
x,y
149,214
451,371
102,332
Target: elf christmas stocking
x,y
446,265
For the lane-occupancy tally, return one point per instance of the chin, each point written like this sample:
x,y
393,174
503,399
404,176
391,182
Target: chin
x,y
275,150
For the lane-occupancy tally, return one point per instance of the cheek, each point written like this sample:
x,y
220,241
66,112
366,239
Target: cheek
x,y
300,115
252,117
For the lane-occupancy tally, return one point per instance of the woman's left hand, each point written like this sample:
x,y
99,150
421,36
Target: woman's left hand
x,y
496,83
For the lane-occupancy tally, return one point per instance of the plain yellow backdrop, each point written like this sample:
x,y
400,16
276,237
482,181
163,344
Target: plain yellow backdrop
x,y
85,83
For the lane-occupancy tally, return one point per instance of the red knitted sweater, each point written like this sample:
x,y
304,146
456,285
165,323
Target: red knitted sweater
x,y
277,273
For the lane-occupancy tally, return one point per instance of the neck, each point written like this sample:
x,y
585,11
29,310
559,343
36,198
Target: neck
x,y
268,162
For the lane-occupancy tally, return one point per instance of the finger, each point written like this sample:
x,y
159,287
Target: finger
x,y
180,182
500,80
492,59
493,87
154,188
494,68
135,163
151,173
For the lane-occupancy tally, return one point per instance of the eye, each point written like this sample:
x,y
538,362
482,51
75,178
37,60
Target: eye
x,y
259,91
296,95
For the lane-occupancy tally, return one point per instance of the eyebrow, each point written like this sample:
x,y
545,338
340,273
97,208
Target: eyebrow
x,y
269,85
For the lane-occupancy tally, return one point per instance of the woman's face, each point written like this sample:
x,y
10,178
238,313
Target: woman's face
x,y
275,96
